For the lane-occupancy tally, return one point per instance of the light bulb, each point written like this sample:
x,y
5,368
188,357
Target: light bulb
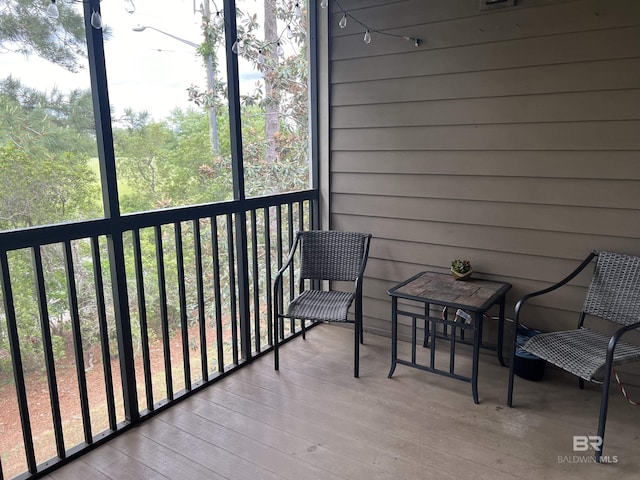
x,y
367,37
129,6
219,19
236,48
324,3
289,32
260,58
343,21
279,50
52,10
96,20
298,11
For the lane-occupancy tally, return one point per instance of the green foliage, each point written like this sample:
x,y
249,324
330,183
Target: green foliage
x,y
46,144
46,124
37,191
25,28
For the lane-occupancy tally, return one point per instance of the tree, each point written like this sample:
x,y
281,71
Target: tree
x,y
271,107
45,143
25,28
283,164
46,124
141,153
45,177
281,95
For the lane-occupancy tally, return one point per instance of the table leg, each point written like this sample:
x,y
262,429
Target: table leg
x,y
501,331
425,339
477,340
394,335
413,339
452,349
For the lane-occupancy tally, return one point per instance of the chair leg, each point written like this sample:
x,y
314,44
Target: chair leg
x,y
604,405
304,329
358,335
512,363
358,316
581,383
356,348
276,356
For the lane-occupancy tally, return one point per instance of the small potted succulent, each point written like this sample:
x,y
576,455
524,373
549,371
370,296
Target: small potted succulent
x,y
461,269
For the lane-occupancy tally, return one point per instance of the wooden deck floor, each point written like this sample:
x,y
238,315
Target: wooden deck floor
x,y
313,420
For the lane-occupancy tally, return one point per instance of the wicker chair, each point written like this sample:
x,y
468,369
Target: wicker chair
x,y
613,295
324,255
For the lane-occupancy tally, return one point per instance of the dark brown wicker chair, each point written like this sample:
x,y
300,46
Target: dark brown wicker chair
x,y
324,255
614,295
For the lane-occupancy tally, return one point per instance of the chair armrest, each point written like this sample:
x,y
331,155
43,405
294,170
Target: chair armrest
x,y
613,341
363,264
618,334
553,287
277,281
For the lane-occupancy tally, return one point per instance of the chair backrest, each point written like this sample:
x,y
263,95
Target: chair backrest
x,y
332,255
614,292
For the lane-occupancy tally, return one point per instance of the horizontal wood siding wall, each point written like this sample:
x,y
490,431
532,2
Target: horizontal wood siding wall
x,y
510,137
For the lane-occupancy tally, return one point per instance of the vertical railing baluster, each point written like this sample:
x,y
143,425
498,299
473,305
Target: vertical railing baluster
x,y
313,224
72,295
142,312
164,314
301,281
104,333
182,299
256,280
215,253
47,344
301,215
267,260
242,282
280,299
16,361
232,288
292,283
122,317
202,321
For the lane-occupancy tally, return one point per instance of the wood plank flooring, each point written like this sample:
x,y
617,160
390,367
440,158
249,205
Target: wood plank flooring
x,y
313,420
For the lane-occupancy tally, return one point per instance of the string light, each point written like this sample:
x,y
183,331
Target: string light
x,y
367,29
275,45
129,6
96,20
52,10
218,18
53,13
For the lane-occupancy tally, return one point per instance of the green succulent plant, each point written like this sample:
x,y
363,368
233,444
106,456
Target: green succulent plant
x,y
460,266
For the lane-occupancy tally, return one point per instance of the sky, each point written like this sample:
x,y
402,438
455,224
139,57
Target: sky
x,y
146,70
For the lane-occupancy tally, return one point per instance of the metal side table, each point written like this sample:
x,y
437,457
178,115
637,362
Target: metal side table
x,y
473,296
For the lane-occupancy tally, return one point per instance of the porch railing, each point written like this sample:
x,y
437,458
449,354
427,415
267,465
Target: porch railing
x,y
110,321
